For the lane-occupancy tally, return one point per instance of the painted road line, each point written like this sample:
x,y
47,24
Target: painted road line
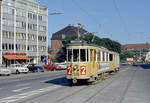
x,y
21,96
21,89
21,85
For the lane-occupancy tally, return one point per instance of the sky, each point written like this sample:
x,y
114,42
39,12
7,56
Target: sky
x,y
125,21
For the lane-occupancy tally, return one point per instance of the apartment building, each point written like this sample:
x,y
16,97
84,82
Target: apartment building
x,y
23,29
139,50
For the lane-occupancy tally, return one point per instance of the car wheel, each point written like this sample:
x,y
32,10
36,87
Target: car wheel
x,y
0,74
8,74
26,72
17,72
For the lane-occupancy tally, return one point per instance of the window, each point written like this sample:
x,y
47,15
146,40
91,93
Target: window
x,y
40,18
75,55
42,28
10,47
110,57
8,10
69,55
20,13
98,56
82,55
106,56
103,56
8,22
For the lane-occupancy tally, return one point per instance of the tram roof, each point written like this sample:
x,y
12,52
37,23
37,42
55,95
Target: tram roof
x,y
84,43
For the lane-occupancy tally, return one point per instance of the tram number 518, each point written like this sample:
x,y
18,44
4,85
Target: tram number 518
x,y
82,70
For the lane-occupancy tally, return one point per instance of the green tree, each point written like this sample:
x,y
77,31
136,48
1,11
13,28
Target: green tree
x,y
90,38
124,55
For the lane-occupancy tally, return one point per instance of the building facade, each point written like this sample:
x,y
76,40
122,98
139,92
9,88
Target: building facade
x,y
23,29
56,40
139,50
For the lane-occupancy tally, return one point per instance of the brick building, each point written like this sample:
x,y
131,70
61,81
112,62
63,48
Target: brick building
x,y
139,50
56,40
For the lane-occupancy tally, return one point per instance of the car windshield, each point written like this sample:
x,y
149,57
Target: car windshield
x,y
2,67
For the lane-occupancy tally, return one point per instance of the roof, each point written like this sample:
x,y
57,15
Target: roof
x,y
67,32
16,57
136,46
33,1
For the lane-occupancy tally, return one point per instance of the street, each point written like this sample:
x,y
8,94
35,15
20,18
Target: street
x,y
130,85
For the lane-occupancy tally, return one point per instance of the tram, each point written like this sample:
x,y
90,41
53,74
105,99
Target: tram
x,y
89,62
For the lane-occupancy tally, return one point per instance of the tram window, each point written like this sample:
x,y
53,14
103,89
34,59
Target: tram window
x,y
82,55
87,55
107,56
110,57
103,56
94,55
76,55
98,55
69,55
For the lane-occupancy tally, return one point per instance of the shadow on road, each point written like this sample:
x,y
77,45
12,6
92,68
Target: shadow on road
x,y
59,81
145,66
64,82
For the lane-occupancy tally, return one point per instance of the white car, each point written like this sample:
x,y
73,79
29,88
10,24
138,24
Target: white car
x,y
62,65
17,68
4,71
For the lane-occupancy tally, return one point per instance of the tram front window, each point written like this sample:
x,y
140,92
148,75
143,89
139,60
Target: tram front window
x,y
69,55
82,55
75,55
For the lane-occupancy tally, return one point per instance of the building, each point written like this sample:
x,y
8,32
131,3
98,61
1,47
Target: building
x,y
23,29
56,40
139,50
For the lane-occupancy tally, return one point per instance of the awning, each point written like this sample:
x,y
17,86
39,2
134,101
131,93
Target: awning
x,y
17,57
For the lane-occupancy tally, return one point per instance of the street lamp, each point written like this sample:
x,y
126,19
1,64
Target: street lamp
x,y
55,13
51,13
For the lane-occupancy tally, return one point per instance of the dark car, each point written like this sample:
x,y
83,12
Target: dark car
x,y
35,68
135,64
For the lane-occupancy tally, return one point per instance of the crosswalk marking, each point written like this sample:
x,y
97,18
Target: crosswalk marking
x,y
28,94
18,90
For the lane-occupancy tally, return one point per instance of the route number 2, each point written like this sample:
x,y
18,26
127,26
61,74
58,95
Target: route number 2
x,y
69,70
82,70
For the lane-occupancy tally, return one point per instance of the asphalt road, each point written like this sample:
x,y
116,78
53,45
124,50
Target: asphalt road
x,y
130,85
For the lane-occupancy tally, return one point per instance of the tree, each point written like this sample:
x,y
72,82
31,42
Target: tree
x,y
124,55
90,38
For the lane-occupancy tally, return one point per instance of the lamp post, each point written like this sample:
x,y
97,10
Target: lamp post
x,y
51,13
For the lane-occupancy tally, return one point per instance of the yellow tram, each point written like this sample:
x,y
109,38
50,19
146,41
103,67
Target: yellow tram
x,y
88,62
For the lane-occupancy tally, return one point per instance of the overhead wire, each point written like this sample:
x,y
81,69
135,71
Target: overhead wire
x,y
121,18
87,13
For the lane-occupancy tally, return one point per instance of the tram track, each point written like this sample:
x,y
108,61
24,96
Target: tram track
x,y
78,89
127,87
113,77
108,84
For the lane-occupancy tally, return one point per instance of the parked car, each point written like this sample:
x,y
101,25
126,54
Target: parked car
x,y
124,64
4,70
52,67
135,64
35,68
17,68
63,66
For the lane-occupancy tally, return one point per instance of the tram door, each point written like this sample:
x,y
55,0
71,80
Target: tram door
x,y
92,61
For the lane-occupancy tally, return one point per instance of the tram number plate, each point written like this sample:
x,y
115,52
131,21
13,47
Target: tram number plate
x,y
69,70
82,70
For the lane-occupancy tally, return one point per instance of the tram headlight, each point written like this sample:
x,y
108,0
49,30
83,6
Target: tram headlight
x,y
75,67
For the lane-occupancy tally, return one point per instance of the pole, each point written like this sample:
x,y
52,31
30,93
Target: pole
x,y
1,53
78,33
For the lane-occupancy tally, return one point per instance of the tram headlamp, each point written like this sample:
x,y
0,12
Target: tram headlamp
x,y
76,67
